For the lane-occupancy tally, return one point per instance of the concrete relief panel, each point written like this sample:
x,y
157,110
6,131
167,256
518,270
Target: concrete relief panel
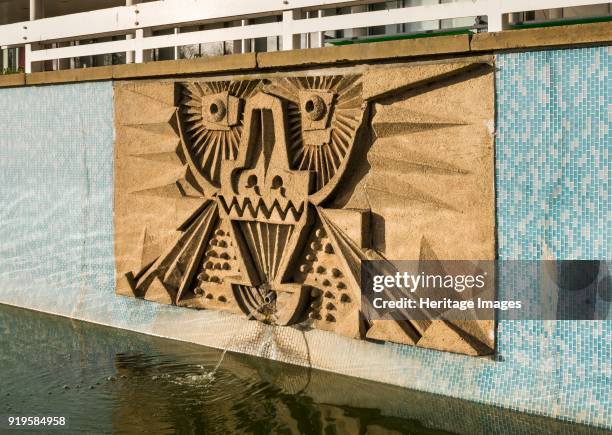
x,y
261,195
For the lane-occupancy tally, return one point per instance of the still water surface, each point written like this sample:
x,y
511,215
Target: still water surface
x,y
106,380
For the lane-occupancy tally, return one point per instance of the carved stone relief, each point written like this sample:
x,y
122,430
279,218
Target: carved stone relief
x,y
262,195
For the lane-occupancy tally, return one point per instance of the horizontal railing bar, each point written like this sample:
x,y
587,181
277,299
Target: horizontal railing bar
x,y
113,21
363,19
176,13
213,35
154,14
298,26
152,42
511,6
391,16
83,50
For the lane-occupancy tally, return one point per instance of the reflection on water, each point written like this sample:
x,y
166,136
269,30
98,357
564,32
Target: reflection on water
x,y
106,380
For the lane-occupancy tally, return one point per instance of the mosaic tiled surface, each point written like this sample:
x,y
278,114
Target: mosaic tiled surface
x,y
553,159
554,202
553,166
56,166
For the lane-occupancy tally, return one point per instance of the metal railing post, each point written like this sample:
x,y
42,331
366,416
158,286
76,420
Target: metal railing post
x,y
245,44
139,52
27,57
36,12
129,56
176,48
316,39
495,16
291,41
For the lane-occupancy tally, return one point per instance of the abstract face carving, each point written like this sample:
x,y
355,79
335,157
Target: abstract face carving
x,y
261,160
263,157
266,205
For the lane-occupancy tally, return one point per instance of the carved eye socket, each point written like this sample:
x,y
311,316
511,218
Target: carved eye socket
x,y
252,181
315,107
277,182
216,110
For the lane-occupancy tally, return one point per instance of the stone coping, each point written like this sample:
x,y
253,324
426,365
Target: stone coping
x,y
578,34
544,37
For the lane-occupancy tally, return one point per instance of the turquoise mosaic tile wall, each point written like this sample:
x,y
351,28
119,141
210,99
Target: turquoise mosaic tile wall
x,y
553,154
553,170
56,196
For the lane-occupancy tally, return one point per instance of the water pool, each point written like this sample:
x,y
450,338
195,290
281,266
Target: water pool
x,y
106,380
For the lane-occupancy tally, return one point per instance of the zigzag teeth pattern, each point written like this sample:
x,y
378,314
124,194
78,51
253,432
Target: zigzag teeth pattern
x,y
246,208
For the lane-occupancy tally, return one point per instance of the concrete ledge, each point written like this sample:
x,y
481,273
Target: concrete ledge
x,y
543,37
69,75
365,52
8,80
232,62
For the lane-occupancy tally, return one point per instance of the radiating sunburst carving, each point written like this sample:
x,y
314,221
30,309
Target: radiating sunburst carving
x,y
323,149
214,137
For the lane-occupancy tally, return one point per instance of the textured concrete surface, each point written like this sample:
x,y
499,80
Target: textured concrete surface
x,y
10,80
365,52
204,65
69,75
594,33
393,142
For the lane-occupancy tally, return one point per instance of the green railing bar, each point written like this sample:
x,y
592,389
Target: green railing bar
x,y
561,23
396,37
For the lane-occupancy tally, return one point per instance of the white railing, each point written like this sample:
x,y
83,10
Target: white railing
x,y
135,23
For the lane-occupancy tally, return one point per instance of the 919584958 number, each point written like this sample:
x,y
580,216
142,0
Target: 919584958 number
x,y
17,421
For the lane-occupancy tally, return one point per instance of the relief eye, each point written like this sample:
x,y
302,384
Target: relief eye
x,y
216,110
315,107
